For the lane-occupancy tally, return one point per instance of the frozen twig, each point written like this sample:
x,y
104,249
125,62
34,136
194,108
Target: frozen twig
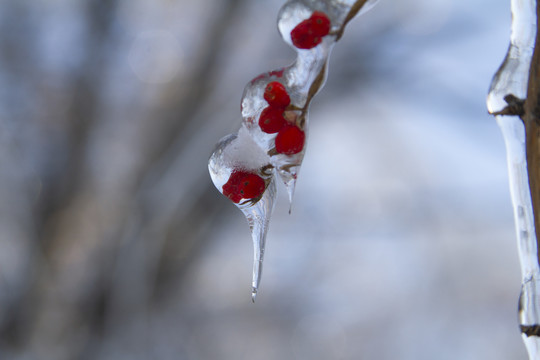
x,y
517,79
270,144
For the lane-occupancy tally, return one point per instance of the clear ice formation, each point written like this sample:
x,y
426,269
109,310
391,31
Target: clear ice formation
x,y
271,141
512,79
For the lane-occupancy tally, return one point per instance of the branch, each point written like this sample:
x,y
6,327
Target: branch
x,y
515,106
275,122
531,118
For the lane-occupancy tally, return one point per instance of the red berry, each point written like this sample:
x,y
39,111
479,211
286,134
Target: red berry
x,y
290,140
251,186
272,120
243,185
320,23
276,95
302,36
230,188
309,33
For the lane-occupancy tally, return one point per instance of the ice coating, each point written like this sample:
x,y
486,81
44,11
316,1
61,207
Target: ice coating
x,y
299,79
509,82
257,212
244,153
514,137
529,300
512,76
258,217
276,143
222,162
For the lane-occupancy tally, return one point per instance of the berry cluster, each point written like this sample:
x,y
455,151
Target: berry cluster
x,y
270,144
290,139
309,33
243,185
273,119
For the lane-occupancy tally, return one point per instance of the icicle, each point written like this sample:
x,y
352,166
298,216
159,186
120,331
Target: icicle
x,y
274,106
258,217
509,85
241,171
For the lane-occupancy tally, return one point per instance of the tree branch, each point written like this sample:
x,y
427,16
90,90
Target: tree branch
x,y
531,118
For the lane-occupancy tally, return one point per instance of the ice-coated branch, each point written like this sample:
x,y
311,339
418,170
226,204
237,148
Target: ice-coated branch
x,y
514,98
271,141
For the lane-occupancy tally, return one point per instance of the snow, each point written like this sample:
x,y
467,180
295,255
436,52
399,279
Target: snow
x,y
244,153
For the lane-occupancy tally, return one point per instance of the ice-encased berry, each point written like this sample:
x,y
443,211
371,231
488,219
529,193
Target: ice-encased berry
x,y
309,33
320,23
243,185
276,95
290,140
272,120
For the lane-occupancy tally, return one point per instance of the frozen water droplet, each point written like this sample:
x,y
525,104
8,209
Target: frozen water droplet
x,y
253,295
288,175
290,193
258,217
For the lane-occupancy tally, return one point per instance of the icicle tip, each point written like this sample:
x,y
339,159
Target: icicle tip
x,y
253,295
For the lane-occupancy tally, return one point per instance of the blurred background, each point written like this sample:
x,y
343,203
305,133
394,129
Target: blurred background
x,y
115,245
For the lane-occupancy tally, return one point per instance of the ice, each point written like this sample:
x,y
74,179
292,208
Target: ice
x,y
512,76
266,145
244,153
529,300
510,84
222,163
514,137
258,217
221,166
